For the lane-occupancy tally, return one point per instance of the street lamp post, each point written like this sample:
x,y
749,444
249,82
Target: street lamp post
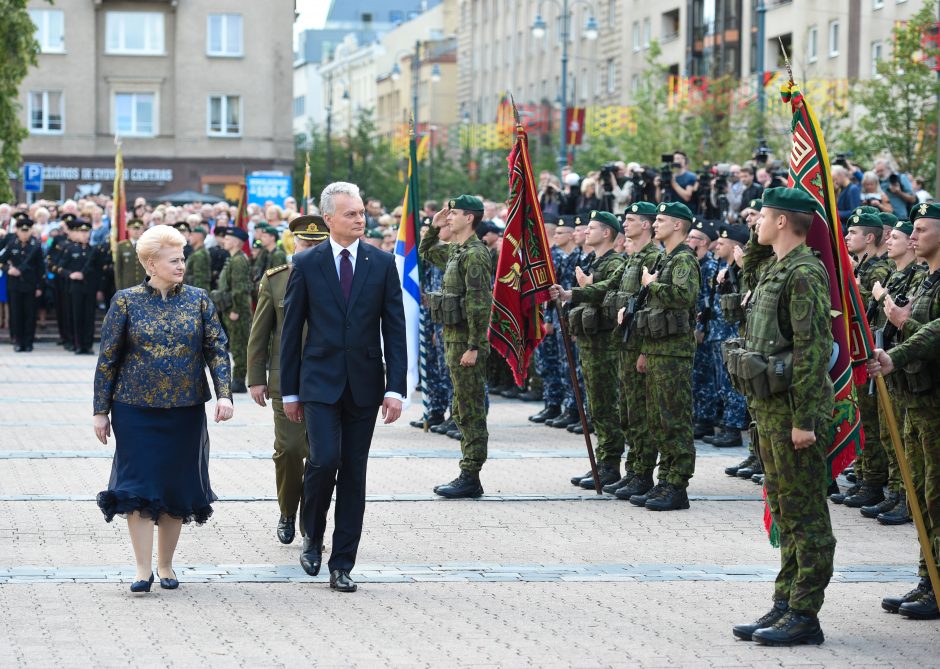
x,y
590,33
329,125
349,168
761,39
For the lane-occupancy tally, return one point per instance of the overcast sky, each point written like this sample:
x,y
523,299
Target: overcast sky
x,y
312,14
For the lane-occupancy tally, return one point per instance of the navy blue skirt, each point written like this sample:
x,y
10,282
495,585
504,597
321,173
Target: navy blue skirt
x,y
161,464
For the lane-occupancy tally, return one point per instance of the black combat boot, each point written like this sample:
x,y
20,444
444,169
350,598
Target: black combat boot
x,y
531,396
840,497
700,430
467,485
445,427
728,438
924,608
672,498
606,473
892,604
655,491
456,434
576,480
433,419
640,485
512,393
746,463
758,479
550,411
744,632
867,495
884,506
748,472
793,629
899,515
565,419
611,488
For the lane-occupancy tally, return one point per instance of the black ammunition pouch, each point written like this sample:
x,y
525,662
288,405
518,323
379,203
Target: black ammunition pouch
x,y
755,375
917,377
613,302
731,307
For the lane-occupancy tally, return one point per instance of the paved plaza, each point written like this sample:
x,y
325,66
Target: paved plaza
x,y
535,574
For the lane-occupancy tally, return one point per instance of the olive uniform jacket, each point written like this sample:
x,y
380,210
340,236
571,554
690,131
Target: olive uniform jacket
x,y
264,343
128,271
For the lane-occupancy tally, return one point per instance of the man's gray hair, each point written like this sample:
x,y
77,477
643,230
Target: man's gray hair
x,y
327,206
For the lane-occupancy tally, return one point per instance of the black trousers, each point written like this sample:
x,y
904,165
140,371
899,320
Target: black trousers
x,y
83,306
63,312
23,317
339,436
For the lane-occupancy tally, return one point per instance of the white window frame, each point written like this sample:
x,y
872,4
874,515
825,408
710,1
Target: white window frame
x,y
224,113
812,44
155,130
876,47
647,32
41,19
611,76
114,20
44,130
834,38
224,27
877,4
636,36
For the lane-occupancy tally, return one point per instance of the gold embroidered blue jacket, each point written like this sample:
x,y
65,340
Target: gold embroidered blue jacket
x,y
154,351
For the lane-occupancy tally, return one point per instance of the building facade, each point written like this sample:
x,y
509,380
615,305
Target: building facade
x,y
199,94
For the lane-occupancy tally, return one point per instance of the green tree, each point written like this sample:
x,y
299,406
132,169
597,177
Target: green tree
x,y
20,48
900,104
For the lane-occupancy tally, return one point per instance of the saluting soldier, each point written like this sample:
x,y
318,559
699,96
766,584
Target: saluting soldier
x,y
666,325
264,379
81,266
233,299
199,264
463,306
128,271
783,368
21,257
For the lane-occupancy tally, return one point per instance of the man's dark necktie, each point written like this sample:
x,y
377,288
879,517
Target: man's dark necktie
x,y
345,273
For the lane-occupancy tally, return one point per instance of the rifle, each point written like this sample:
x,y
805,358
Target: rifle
x,y
637,303
890,331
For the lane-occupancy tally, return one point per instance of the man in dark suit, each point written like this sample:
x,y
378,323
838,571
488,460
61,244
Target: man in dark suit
x,y
348,294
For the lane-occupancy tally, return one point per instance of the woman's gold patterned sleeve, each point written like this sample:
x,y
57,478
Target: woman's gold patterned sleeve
x,y
113,333
215,349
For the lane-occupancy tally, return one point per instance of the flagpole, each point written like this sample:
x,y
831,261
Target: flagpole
x,y
424,325
569,353
887,408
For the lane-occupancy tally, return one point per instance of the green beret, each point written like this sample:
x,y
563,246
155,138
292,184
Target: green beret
x,y
887,219
675,210
607,219
904,226
925,210
269,229
756,204
872,221
201,230
642,209
789,199
374,233
467,203
867,209
706,227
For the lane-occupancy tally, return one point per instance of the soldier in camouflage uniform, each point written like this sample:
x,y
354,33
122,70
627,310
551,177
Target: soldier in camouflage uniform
x,y
917,364
665,325
233,300
782,365
599,347
199,263
704,363
128,271
463,306
862,239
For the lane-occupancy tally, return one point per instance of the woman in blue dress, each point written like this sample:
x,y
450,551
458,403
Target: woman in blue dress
x,y
156,341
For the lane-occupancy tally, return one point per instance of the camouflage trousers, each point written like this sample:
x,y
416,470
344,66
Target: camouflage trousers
x,y
548,366
796,482
437,386
469,405
290,450
873,458
599,362
895,482
922,452
669,416
237,332
641,458
705,383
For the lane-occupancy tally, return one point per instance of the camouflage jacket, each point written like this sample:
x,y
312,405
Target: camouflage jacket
x,y
675,290
868,272
602,270
236,280
199,269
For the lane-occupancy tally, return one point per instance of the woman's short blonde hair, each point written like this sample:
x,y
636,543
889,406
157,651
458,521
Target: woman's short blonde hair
x,y
155,240
588,183
871,179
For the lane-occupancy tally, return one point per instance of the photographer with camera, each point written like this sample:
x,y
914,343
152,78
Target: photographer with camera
x,y
897,187
613,188
752,189
676,182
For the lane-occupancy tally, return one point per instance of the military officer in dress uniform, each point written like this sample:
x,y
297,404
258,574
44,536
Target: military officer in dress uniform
x,y
80,265
128,271
21,257
264,380
233,300
463,306
185,228
199,264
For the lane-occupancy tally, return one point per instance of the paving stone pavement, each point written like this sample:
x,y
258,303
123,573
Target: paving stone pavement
x,y
537,573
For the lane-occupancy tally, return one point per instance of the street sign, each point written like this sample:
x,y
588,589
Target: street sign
x,y
262,188
32,177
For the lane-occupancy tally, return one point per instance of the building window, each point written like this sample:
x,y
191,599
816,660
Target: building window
x,y
812,48
134,114
635,84
670,30
876,53
833,39
611,13
224,35
636,35
300,103
647,33
45,112
50,29
878,4
134,33
225,113
611,75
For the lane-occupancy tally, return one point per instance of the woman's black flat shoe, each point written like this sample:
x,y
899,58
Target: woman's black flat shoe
x,y
142,586
169,583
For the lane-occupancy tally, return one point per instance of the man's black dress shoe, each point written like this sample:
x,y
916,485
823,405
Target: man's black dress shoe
x,y
169,583
341,581
285,529
312,556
